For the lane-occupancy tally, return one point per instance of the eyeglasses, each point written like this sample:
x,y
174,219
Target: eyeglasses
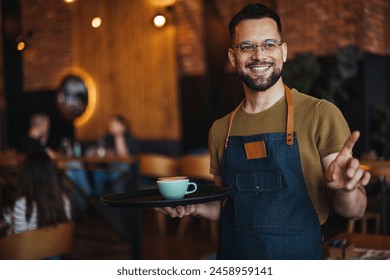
x,y
249,48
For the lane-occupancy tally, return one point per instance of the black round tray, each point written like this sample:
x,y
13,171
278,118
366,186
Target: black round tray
x,y
147,198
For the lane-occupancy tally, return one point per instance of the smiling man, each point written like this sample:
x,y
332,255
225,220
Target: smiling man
x,y
281,153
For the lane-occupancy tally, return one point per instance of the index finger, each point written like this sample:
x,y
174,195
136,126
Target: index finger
x,y
346,150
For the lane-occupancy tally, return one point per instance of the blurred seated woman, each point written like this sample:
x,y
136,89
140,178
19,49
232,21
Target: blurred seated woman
x,y
118,143
40,202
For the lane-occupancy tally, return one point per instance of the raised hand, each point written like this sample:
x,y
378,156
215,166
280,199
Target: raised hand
x,y
344,172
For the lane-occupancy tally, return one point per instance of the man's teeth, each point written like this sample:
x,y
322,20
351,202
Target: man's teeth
x,y
260,68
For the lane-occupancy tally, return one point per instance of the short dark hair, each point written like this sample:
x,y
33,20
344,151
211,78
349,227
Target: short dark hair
x,y
254,11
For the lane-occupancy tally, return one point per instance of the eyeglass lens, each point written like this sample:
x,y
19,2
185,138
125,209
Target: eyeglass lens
x,y
250,47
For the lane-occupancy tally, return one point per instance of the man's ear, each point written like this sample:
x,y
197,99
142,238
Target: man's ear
x,y
231,57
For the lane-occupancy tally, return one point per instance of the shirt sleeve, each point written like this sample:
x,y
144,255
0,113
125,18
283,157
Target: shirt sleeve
x,y
68,208
19,220
332,129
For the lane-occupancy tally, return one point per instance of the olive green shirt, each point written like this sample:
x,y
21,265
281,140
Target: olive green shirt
x,y
320,128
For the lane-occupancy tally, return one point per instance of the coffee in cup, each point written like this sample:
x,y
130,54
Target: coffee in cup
x,y
175,187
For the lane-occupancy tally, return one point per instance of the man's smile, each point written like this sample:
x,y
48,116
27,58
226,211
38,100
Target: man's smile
x,y
260,68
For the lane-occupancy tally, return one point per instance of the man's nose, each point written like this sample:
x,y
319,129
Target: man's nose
x,y
258,53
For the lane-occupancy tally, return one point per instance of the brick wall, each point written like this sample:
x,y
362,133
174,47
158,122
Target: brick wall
x,y
387,27
190,36
376,27
322,27
48,53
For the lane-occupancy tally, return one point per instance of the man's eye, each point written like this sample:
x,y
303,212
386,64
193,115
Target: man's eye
x,y
270,46
246,48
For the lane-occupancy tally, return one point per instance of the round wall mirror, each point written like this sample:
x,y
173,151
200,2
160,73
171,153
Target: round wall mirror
x,y
72,97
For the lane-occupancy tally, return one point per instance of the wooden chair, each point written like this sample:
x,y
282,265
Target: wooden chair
x,y
38,244
196,167
363,220
155,166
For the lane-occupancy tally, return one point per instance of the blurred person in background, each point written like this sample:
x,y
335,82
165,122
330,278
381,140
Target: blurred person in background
x,y
36,141
37,135
41,201
120,143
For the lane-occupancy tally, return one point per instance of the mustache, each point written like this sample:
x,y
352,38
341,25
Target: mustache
x,y
259,64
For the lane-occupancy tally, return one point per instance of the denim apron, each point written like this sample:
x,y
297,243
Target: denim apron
x,y
268,214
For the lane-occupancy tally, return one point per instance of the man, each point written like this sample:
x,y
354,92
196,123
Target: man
x,y
280,152
37,135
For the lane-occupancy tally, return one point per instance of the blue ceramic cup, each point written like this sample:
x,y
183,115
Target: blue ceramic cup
x,y
175,187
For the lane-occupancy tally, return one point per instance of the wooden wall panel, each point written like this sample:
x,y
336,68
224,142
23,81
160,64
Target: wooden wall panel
x,y
133,65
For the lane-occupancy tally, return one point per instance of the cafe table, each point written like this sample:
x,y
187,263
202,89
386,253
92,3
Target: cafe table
x,y
10,163
381,170
96,163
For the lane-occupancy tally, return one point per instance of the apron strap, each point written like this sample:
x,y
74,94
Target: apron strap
x,y
231,123
290,119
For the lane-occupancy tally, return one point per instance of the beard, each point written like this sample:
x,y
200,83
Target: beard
x,y
261,83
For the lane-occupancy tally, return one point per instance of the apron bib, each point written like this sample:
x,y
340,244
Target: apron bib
x,y
268,214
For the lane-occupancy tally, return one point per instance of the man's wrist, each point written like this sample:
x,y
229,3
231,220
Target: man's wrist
x,y
208,210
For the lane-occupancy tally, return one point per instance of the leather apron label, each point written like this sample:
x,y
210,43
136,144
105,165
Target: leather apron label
x,y
255,150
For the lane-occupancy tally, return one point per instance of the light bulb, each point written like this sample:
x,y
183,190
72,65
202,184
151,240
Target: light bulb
x,y
96,22
159,21
20,46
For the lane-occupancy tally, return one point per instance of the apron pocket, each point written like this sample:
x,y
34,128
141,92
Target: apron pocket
x,y
258,199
